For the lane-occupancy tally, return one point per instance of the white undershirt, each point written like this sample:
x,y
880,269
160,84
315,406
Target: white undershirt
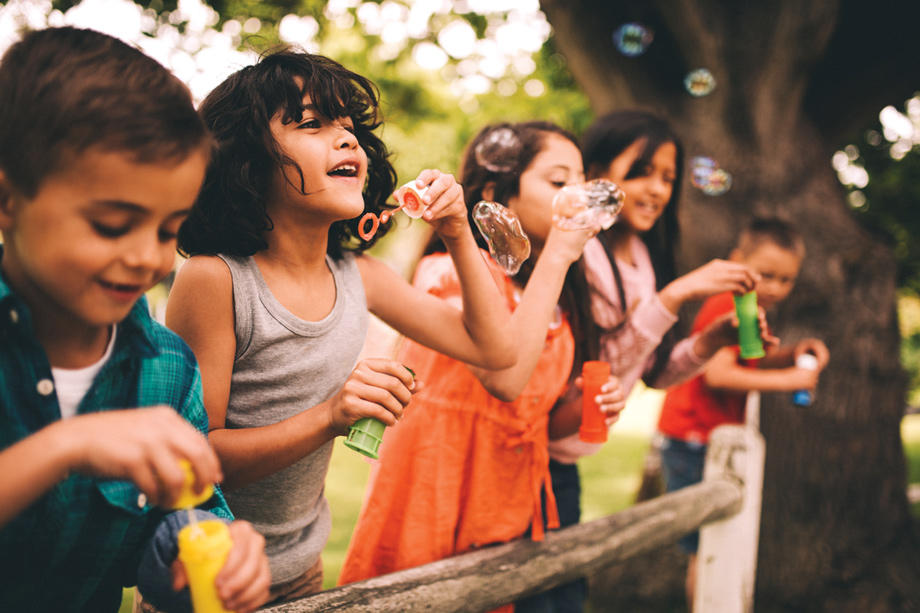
x,y
72,384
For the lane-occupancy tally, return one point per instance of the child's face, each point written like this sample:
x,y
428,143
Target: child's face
x,y
647,195
333,163
96,235
778,268
556,165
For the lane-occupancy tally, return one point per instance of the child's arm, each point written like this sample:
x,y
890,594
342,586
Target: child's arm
x,y
785,356
139,445
531,319
480,333
724,372
200,310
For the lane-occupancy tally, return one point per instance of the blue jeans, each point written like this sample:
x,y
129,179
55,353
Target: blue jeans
x,y
569,597
682,464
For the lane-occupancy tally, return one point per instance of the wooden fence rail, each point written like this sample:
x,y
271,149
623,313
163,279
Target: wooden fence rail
x,y
489,577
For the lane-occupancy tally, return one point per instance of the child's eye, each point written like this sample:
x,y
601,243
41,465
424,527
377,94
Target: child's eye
x,y
558,184
310,124
108,231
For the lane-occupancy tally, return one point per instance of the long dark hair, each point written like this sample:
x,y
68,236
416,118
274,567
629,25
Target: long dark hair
x,y
230,215
505,183
602,142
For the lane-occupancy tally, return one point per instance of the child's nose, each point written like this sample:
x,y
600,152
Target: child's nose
x,y
148,253
345,139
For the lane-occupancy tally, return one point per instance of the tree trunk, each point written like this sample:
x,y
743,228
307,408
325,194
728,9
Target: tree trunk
x,y
836,531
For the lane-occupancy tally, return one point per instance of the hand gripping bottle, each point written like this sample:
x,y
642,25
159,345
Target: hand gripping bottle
x,y
593,423
366,434
803,398
203,547
748,327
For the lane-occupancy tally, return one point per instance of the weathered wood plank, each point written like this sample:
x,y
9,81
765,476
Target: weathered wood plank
x,y
490,577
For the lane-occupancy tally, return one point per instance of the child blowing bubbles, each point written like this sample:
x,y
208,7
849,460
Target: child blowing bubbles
x,y
101,157
468,464
691,410
275,299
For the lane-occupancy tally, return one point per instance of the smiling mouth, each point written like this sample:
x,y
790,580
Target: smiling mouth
x,y
125,288
345,170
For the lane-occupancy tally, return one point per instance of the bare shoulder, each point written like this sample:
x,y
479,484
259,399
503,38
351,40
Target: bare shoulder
x,y
203,269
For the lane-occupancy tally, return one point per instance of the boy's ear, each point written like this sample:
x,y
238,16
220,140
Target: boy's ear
x,y
488,191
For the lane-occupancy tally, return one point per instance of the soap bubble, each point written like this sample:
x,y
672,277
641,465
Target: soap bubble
x,y
700,82
720,181
499,150
632,39
594,204
502,230
700,169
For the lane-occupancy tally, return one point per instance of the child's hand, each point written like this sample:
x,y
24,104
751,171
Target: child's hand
x,y
815,347
378,388
244,581
140,445
723,332
612,400
709,279
568,245
446,210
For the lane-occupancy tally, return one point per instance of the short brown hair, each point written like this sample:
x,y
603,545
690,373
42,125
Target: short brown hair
x,y
66,90
771,230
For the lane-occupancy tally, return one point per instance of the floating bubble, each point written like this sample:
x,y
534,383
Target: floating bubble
x,y
720,181
594,204
502,230
700,82
700,169
499,150
632,39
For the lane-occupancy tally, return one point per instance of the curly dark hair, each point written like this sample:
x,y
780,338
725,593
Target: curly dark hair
x,y
505,183
230,215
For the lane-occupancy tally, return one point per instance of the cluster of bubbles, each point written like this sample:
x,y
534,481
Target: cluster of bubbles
x,y
586,205
499,150
502,230
632,39
706,176
699,82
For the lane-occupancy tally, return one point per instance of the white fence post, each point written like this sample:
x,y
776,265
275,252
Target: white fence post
x,y
727,559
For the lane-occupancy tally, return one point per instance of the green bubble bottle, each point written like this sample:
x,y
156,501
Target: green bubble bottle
x,y
366,434
748,327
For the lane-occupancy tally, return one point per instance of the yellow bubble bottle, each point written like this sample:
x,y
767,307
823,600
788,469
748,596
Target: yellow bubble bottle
x,y
203,549
203,546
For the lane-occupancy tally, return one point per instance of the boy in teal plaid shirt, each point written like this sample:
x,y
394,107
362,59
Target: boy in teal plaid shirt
x,y
101,156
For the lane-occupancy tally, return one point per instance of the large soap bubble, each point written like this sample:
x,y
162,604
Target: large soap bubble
x,y
632,39
699,82
499,150
502,230
594,204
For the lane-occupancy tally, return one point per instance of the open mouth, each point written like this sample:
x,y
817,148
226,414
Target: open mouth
x,y
344,170
126,288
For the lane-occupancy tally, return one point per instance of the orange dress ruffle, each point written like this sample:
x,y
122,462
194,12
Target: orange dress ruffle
x,y
461,469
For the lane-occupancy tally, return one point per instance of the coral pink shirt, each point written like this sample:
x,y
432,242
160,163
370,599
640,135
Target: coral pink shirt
x,y
461,469
631,334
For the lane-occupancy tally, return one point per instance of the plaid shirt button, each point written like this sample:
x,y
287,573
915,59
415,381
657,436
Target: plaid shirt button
x,y
45,387
14,316
141,500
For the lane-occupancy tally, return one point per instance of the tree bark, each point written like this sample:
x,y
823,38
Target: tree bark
x,y
836,531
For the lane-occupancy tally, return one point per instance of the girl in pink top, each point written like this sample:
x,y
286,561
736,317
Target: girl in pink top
x,y
636,294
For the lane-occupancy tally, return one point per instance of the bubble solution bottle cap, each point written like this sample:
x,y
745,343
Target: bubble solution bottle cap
x,y
748,327
593,422
188,498
804,398
203,549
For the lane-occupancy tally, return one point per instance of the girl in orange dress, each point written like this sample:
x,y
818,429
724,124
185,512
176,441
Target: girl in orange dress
x,y
467,465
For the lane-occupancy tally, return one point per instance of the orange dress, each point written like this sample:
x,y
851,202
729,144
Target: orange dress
x,y
461,469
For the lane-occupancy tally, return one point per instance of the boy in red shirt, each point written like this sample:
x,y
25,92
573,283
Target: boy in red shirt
x,y
692,409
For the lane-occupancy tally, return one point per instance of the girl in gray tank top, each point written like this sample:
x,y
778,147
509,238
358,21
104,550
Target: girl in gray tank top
x,y
277,321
